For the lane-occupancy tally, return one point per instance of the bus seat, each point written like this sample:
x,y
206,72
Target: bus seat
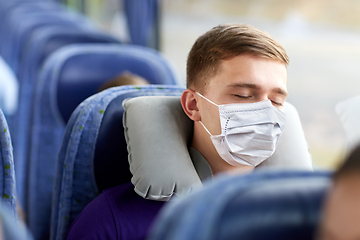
x,y
68,77
11,226
7,173
92,149
149,117
26,81
40,46
19,36
16,10
273,205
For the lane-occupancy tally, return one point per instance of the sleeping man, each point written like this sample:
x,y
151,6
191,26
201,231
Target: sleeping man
x,y
236,89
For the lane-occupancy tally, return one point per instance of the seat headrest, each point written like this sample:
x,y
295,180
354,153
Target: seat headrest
x,y
264,205
83,70
158,132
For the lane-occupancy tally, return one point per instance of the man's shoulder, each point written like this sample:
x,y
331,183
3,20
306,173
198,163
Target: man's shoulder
x,y
124,201
117,213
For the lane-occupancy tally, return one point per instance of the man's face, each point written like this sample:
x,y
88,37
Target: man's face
x,y
341,217
243,79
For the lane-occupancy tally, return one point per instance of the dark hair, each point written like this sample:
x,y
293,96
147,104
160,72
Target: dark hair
x,y
224,42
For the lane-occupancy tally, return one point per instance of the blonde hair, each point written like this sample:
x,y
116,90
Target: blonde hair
x,y
225,42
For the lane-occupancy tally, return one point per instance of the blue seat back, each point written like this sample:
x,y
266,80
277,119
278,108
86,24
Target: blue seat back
x,y
86,71
8,8
40,46
12,227
263,205
68,77
19,36
7,171
94,124
16,31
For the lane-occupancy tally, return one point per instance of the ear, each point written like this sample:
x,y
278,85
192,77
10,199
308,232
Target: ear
x,y
190,104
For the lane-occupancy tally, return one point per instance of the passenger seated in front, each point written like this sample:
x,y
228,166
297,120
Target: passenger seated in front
x,y
236,89
125,78
341,215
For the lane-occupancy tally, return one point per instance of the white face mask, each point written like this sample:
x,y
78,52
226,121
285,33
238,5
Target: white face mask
x,y
249,132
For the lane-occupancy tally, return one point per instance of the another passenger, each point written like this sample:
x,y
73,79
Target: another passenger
x,y
341,217
9,88
125,78
236,88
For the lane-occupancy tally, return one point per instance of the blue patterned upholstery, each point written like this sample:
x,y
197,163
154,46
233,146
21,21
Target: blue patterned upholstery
x,y
15,30
271,205
96,119
12,228
68,77
17,38
41,45
7,171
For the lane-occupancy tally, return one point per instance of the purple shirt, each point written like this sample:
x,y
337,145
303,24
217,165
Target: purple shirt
x,y
117,213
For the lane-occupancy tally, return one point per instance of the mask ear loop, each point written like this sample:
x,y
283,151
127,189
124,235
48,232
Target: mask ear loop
x,y
207,99
206,129
211,103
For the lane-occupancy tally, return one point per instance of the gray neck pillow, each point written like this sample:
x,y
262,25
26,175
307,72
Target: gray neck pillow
x,y
158,133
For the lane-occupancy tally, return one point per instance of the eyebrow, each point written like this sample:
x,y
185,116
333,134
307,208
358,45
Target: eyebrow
x,y
254,86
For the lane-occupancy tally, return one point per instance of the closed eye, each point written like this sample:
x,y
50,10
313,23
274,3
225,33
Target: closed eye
x,y
276,103
242,96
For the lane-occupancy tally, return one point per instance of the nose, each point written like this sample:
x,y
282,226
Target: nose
x,y
263,97
266,96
